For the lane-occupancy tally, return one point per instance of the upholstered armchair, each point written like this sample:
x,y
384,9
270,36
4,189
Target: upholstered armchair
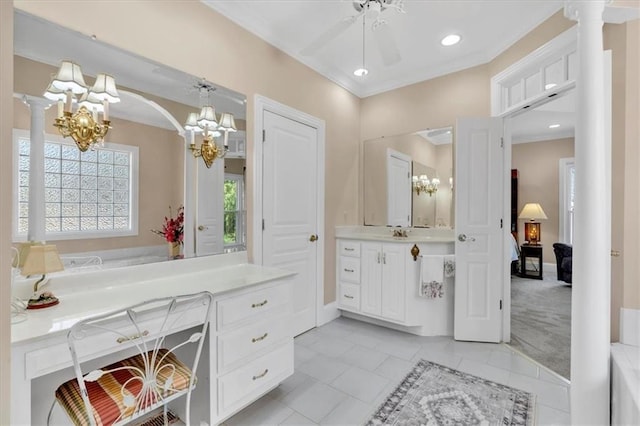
x,y
564,261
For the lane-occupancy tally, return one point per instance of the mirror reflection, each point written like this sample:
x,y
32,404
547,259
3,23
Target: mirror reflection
x,y
408,179
96,207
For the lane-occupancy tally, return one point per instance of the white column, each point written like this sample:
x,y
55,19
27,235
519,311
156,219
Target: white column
x,y
37,106
590,305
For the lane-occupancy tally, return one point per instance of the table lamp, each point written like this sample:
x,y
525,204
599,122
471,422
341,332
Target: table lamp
x,y
532,212
41,259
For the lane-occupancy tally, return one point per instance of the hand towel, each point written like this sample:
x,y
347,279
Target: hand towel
x,y
450,266
431,277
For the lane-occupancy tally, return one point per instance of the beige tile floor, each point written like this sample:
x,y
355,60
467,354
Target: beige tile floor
x,y
345,369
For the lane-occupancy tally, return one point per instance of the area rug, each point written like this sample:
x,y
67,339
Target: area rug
x,y
433,394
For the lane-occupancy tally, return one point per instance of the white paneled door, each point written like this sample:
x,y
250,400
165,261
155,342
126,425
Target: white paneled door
x,y
290,209
210,209
398,189
479,235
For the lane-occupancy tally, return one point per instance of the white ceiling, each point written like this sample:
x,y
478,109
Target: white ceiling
x,y
487,27
533,125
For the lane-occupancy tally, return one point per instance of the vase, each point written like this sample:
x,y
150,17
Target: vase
x,y
174,250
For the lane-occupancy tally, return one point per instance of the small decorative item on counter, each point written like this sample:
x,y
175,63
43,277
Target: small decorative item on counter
x,y
173,232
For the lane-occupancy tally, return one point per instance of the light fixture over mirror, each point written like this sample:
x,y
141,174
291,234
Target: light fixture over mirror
x,y
207,123
422,184
83,125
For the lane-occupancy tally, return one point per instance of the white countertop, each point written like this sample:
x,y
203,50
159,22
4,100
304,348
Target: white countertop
x,y
130,285
385,234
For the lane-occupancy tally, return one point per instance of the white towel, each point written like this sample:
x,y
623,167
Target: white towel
x,y
450,266
431,277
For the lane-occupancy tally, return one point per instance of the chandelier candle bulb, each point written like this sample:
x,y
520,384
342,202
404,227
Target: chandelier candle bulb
x,y
60,108
105,113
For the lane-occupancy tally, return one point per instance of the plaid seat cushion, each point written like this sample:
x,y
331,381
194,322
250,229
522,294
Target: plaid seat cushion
x,y
107,395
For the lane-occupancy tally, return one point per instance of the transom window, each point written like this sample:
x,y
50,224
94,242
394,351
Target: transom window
x,y
87,194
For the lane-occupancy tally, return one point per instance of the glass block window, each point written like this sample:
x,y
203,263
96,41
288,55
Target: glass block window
x,y
87,194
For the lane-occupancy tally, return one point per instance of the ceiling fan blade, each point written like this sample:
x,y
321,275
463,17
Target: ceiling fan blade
x,y
329,35
386,43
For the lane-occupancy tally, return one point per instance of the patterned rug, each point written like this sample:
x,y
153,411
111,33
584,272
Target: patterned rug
x,y
432,394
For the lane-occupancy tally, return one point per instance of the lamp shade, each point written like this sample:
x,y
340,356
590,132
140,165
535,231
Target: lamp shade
x,y
42,259
104,89
70,77
54,94
532,211
207,117
227,122
192,123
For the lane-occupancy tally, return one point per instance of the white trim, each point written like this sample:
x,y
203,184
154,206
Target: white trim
x,y
506,232
262,104
559,46
328,313
80,235
563,208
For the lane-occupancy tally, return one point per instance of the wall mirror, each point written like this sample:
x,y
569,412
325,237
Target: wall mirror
x,y
408,179
155,103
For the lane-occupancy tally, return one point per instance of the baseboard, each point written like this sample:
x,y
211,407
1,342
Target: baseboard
x,y
328,313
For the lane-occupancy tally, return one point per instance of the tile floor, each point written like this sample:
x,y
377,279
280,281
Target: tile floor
x,y
345,369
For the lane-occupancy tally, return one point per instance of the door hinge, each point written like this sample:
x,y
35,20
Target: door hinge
x,y
500,304
264,135
263,224
501,142
500,223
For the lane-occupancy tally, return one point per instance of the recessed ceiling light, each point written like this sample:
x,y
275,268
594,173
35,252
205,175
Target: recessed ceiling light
x,y
554,126
361,72
549,86
450,40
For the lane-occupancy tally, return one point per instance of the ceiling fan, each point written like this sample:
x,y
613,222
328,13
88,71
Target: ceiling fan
x,y
372,10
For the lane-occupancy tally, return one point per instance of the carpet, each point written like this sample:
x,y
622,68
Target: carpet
x,y
432,394
541,321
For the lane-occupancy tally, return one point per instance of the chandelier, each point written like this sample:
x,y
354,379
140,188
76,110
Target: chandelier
x,y
207,123
82,125
423,184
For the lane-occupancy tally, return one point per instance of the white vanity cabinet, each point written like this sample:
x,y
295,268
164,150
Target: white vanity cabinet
x,y
378,279
382,288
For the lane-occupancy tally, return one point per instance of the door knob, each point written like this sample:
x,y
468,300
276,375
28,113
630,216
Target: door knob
x,y
463,238
201,228
313,238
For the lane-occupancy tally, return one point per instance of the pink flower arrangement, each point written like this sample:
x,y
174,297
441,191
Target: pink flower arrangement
x,y
173,229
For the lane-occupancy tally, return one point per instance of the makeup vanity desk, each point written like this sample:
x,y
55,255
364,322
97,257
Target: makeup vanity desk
x,y
249,301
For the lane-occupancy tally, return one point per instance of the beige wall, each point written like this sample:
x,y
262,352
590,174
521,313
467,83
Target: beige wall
x,y
251,66
160,177
538,171
6,120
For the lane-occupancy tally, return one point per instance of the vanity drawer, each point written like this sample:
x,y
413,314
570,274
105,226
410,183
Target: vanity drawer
x,y
238,344
245,383
349,296
349,248
349,269
236,309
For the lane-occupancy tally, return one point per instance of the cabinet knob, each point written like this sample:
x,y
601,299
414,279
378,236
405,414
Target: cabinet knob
x,y
201,228
463,237
313,238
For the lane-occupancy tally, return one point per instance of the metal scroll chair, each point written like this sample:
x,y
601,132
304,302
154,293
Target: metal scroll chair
x,y
157,331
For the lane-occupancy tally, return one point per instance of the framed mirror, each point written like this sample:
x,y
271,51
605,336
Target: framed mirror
x,y
155,103
425,195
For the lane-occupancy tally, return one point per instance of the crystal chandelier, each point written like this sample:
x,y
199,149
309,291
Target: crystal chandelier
x,y
207,123
82,125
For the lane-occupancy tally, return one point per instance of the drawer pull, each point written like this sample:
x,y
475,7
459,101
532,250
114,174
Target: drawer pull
x,y
132,337
257,339
257,305
348,270
260,376
348,297
348,249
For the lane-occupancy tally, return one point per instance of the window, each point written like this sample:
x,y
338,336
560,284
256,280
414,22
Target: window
x,y
234,212
88,194
567,184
